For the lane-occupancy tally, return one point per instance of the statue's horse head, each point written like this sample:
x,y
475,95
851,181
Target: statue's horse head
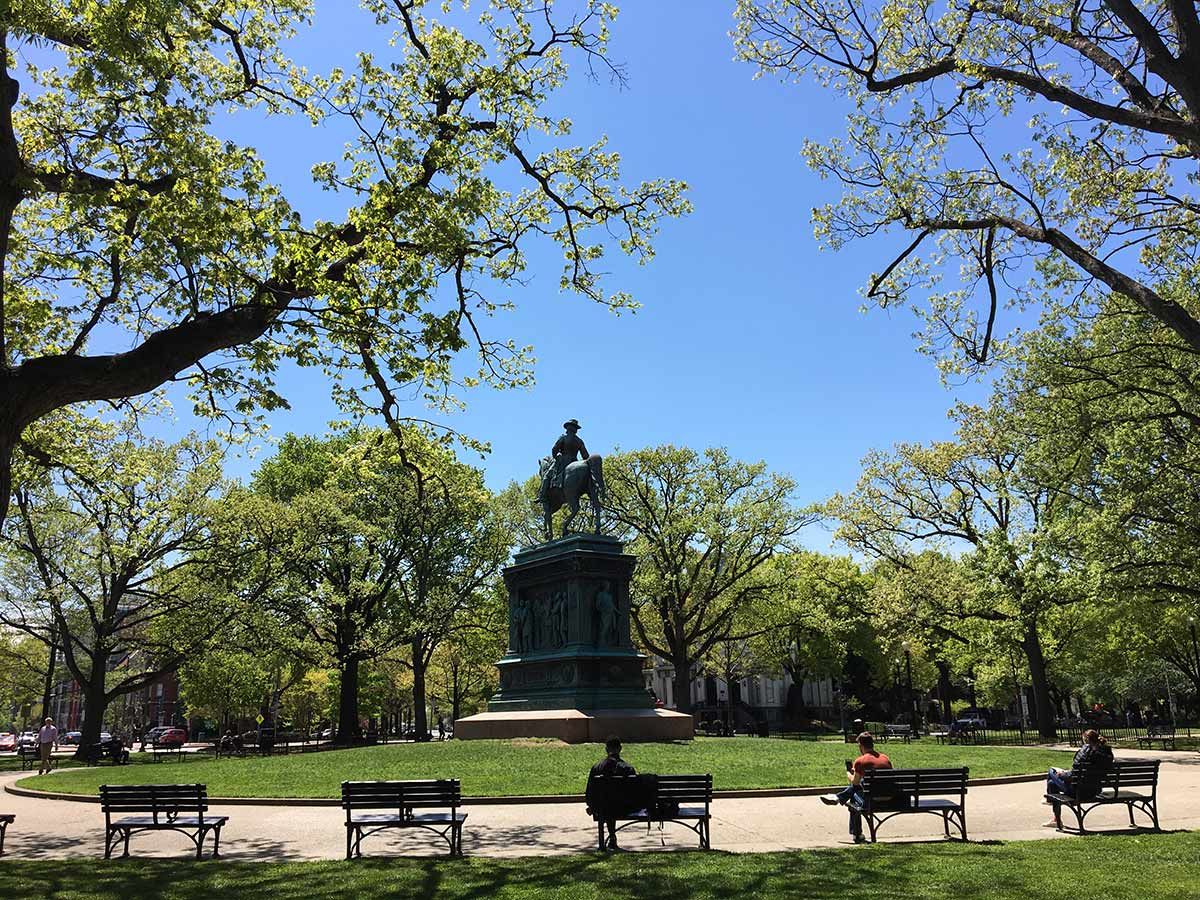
x,y
545,464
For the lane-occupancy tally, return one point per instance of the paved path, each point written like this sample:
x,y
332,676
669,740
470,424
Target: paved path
x,y
47,829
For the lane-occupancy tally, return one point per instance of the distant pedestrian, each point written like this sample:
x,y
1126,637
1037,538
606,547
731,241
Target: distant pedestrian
x,y
47,741
441,728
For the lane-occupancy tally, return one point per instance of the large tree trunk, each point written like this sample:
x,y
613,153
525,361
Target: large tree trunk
x,y
1044,712
682,683
95,703
348,730
421,717
944,689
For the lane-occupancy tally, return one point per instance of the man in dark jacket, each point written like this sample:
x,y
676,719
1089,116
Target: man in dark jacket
x,y
602,800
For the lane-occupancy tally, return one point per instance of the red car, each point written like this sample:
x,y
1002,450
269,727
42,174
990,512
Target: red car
x,y
172,737
8,741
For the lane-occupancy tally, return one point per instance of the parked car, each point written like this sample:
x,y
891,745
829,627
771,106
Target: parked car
x,y
70,737
8,741
27,739
155,733
971,721
171,737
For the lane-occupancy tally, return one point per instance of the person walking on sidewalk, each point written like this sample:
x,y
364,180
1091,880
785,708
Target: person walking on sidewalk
x,y
851,796
47,740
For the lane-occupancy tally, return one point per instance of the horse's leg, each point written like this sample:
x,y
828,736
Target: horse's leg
x,y
592,492
573,503
548,514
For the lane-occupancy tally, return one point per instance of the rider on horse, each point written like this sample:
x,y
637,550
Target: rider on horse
x,y
567,449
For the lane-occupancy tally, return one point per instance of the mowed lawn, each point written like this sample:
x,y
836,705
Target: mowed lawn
x,y
1117,867
530,767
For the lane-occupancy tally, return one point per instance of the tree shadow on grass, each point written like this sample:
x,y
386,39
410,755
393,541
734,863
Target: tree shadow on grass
x,y
1040,870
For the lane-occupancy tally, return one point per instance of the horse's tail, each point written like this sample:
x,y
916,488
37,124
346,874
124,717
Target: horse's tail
x,y
596,466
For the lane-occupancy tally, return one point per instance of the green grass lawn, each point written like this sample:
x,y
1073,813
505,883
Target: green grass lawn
x,y
1118,867
494,768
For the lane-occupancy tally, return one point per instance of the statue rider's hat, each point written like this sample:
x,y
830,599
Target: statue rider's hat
x,y
572,423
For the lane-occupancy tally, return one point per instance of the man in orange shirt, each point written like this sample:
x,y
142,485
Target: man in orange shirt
x,y
851,796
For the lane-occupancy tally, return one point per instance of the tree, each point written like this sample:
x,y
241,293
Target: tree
x,y
973,493
703,527
22,670
809,624
124,213
113,563
371,549
326,546
909,603
1109,411
1097,196
453,542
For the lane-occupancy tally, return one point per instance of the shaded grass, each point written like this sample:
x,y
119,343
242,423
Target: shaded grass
x,y
1153,867
497,768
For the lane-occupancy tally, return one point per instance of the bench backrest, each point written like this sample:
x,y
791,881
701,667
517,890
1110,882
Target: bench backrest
x,y
400,795
1125,773
1160,731
914,783
682,789
154,798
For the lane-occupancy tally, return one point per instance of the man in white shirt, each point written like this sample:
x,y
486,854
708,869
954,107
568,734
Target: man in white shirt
x,y
47,738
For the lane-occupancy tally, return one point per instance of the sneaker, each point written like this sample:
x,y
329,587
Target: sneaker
x,y
859,839
830,799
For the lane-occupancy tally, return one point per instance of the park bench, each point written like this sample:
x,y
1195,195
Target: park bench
x,y
29,755
159,750
113,750
1131,782
900,732
6,819
396,802
895,792
1163,734
653,799
163,807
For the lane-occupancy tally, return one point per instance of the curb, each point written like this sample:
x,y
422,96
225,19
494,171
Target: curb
x,y
501,801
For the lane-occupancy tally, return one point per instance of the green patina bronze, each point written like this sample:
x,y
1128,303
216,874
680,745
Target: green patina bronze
x,y
568,629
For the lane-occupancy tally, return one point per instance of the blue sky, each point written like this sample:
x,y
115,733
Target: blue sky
x,y
751,337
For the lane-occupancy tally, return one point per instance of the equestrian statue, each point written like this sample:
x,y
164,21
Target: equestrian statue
x,y
567,474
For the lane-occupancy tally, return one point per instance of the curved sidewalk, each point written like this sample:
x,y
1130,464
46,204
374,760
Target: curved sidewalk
x,y
53,829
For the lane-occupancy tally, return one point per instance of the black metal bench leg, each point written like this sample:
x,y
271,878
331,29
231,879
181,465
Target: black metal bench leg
x,y
3,829
128,833
600,833
349,841
216,854
870,826
1132,824
946,824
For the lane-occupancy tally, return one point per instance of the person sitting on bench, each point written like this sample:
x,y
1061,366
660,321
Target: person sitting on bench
x,y
612,764
1094,754
851,795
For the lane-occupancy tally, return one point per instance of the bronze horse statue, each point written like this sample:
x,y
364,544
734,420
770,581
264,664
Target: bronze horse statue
x,y
585,476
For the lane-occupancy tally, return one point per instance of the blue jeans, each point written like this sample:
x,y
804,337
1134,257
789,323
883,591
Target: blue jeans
x,y
1056,783
852,793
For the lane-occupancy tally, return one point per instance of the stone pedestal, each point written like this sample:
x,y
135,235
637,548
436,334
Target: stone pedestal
x,y
571,671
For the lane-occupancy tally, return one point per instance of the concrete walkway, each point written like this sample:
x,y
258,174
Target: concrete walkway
x,y
50,829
